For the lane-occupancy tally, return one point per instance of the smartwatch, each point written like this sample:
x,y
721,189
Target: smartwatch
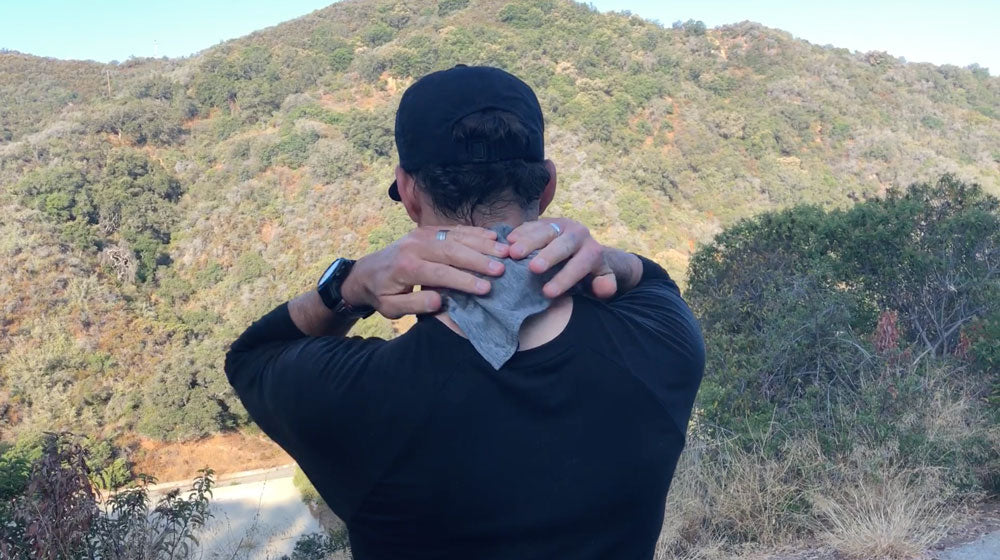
x,y
329,286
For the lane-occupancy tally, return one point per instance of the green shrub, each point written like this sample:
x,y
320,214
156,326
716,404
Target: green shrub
x,y
333,160
60,191
250,266
522,15
377,34
318,546
691,27
293,148
932,122
837,322
446,7
635,211
15,469
370,132
306,489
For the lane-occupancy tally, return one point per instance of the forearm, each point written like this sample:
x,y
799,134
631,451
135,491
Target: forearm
x,y
314,318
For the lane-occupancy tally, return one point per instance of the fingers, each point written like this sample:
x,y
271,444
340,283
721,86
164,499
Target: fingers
x,y
480,243
414,303
457,254
471,230
443,276
564,247
588,260
529,237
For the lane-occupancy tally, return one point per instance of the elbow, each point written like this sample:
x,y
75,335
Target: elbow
x,y
234,357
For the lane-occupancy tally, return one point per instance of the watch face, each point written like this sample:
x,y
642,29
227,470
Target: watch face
x,y
329,272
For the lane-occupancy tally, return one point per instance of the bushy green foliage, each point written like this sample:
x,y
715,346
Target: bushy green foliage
x,y
128,198
337,52
446,7
835,322
691,27
187,400
15,470
377,34
333,160
370,133
142,121
319,546
634,211
291,149
248,82
523,14
59,191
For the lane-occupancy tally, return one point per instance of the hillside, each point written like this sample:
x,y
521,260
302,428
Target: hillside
x,y
143,230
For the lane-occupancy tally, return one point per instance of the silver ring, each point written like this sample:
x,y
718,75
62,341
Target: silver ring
x,y
556,227
441,234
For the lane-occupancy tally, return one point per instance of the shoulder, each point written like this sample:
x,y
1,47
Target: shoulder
x,y
656,311
414,360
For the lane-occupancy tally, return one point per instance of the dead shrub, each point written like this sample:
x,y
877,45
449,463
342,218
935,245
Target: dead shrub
x,y
896,515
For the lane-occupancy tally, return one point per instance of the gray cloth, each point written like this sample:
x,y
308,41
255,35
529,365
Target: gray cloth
x,y
492,322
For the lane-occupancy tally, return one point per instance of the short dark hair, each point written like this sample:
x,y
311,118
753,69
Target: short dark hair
x,y
463,191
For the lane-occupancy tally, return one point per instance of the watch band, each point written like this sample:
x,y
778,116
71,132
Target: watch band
x,y
329,286
348,310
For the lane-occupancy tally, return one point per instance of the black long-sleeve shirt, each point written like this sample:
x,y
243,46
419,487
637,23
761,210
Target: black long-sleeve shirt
x,y
426,452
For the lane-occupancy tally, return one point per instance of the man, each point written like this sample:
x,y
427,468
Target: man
x,y
537,408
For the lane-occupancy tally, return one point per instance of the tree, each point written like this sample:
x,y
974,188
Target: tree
x,y
377,34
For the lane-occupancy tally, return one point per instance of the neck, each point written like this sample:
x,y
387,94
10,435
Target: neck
x,y
511,217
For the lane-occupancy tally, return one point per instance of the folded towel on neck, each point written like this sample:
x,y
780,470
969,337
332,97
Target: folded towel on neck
x,y
492,322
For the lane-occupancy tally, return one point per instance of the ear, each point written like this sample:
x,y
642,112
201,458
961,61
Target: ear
x,y
550,188
407,186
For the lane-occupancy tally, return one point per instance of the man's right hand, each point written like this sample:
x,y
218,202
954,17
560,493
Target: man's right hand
x,y
385,279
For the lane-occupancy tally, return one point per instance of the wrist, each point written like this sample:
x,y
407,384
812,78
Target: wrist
x,y
354,290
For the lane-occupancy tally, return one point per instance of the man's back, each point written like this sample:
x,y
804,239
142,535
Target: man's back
x,y
426,451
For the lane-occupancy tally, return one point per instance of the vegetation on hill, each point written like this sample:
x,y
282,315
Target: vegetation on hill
x,y
146,227
152,209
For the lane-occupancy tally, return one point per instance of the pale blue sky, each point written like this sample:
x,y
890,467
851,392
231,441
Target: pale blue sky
x,y
957,32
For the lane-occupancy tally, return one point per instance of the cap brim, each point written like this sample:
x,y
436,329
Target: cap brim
x,y
394,192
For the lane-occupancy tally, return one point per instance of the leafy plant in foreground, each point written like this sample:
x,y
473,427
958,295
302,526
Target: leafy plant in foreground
x,y
60,515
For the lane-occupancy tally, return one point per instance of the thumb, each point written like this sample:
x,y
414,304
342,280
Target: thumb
x,y
605,284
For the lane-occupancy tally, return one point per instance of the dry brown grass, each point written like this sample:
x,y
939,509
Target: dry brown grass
x,y
727,501
897,515
730,502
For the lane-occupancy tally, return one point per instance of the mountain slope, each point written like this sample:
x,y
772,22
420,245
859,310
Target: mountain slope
x,y
143,230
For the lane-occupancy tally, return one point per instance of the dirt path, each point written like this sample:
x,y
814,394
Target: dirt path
x,y
260,516
986,547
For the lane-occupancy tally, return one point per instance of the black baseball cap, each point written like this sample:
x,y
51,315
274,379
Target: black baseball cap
x,y
431,106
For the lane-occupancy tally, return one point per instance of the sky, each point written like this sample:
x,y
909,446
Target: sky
x,y
959,32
